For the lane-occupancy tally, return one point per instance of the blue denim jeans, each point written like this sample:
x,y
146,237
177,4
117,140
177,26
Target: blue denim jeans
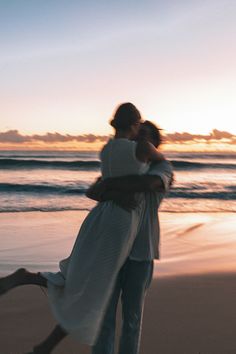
x,y
132,282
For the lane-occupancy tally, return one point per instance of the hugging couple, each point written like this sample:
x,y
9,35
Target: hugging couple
x,y
115,249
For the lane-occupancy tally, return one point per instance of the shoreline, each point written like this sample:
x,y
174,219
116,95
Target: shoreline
x,y
190,306
190,243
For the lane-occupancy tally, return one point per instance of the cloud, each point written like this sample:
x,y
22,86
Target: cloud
x,y
15,137
217,134
214,136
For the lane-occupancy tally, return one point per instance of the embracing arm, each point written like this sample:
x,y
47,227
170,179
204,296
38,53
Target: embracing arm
x,y
146,152
96,190
135,183
118,187
99,192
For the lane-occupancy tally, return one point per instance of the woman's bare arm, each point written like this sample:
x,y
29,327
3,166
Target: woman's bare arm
x,y
147,152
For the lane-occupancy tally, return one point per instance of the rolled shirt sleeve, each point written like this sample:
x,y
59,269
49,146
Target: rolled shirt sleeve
x,y
164,170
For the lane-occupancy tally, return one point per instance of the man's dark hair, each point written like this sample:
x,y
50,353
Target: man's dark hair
x,y
155,131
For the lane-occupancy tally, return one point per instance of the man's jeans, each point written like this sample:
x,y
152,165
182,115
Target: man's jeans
x,y
133,280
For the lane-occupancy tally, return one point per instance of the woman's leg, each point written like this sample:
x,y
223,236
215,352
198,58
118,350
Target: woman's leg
x,y
21,277
54,338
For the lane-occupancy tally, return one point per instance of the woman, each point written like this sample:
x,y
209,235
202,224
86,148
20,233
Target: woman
x,y
80,291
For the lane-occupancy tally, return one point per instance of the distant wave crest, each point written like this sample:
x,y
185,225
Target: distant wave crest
x,y
41,188
191,192
43,164
42,209
222,195
187,165
14,163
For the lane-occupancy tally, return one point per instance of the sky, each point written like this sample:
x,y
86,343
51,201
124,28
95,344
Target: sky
x,y
65,65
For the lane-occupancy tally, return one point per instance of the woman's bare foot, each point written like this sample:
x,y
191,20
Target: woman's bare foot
x,y
12,280
21,277
48,344
40,349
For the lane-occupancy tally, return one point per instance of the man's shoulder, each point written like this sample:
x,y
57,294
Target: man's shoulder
x,y
163,170
160,166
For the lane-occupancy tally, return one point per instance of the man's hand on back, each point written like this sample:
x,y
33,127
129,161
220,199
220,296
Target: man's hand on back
x,y
100,192
96,190
121,190
126,201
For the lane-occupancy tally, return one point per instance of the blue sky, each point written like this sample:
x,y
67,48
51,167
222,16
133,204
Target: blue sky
x,y
65,65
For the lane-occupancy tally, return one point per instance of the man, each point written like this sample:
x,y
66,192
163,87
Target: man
x,y
135,276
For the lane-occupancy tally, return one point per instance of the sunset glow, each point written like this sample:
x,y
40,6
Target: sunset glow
x,y
66,66
214,141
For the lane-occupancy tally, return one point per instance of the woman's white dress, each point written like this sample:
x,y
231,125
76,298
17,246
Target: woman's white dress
x,y
79,293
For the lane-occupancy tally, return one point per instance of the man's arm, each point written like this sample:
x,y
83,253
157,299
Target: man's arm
x,y
124,188
135,183
130,184
97,191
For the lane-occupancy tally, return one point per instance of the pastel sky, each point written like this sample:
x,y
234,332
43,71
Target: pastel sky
x,y
65,65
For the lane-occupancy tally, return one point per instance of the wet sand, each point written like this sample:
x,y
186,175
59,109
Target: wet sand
x,y
190,307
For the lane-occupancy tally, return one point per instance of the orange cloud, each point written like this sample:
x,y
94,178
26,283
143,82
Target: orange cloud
x,y
13,139
13,136
215,135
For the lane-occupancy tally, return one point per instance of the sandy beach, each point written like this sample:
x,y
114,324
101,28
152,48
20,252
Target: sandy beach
x,y
190,308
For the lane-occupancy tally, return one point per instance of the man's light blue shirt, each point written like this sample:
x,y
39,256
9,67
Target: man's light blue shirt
x,y
146,244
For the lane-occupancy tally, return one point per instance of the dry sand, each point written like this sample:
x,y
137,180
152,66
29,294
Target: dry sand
x,y
190,307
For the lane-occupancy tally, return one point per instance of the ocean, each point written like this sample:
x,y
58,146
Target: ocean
x,y
57,181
